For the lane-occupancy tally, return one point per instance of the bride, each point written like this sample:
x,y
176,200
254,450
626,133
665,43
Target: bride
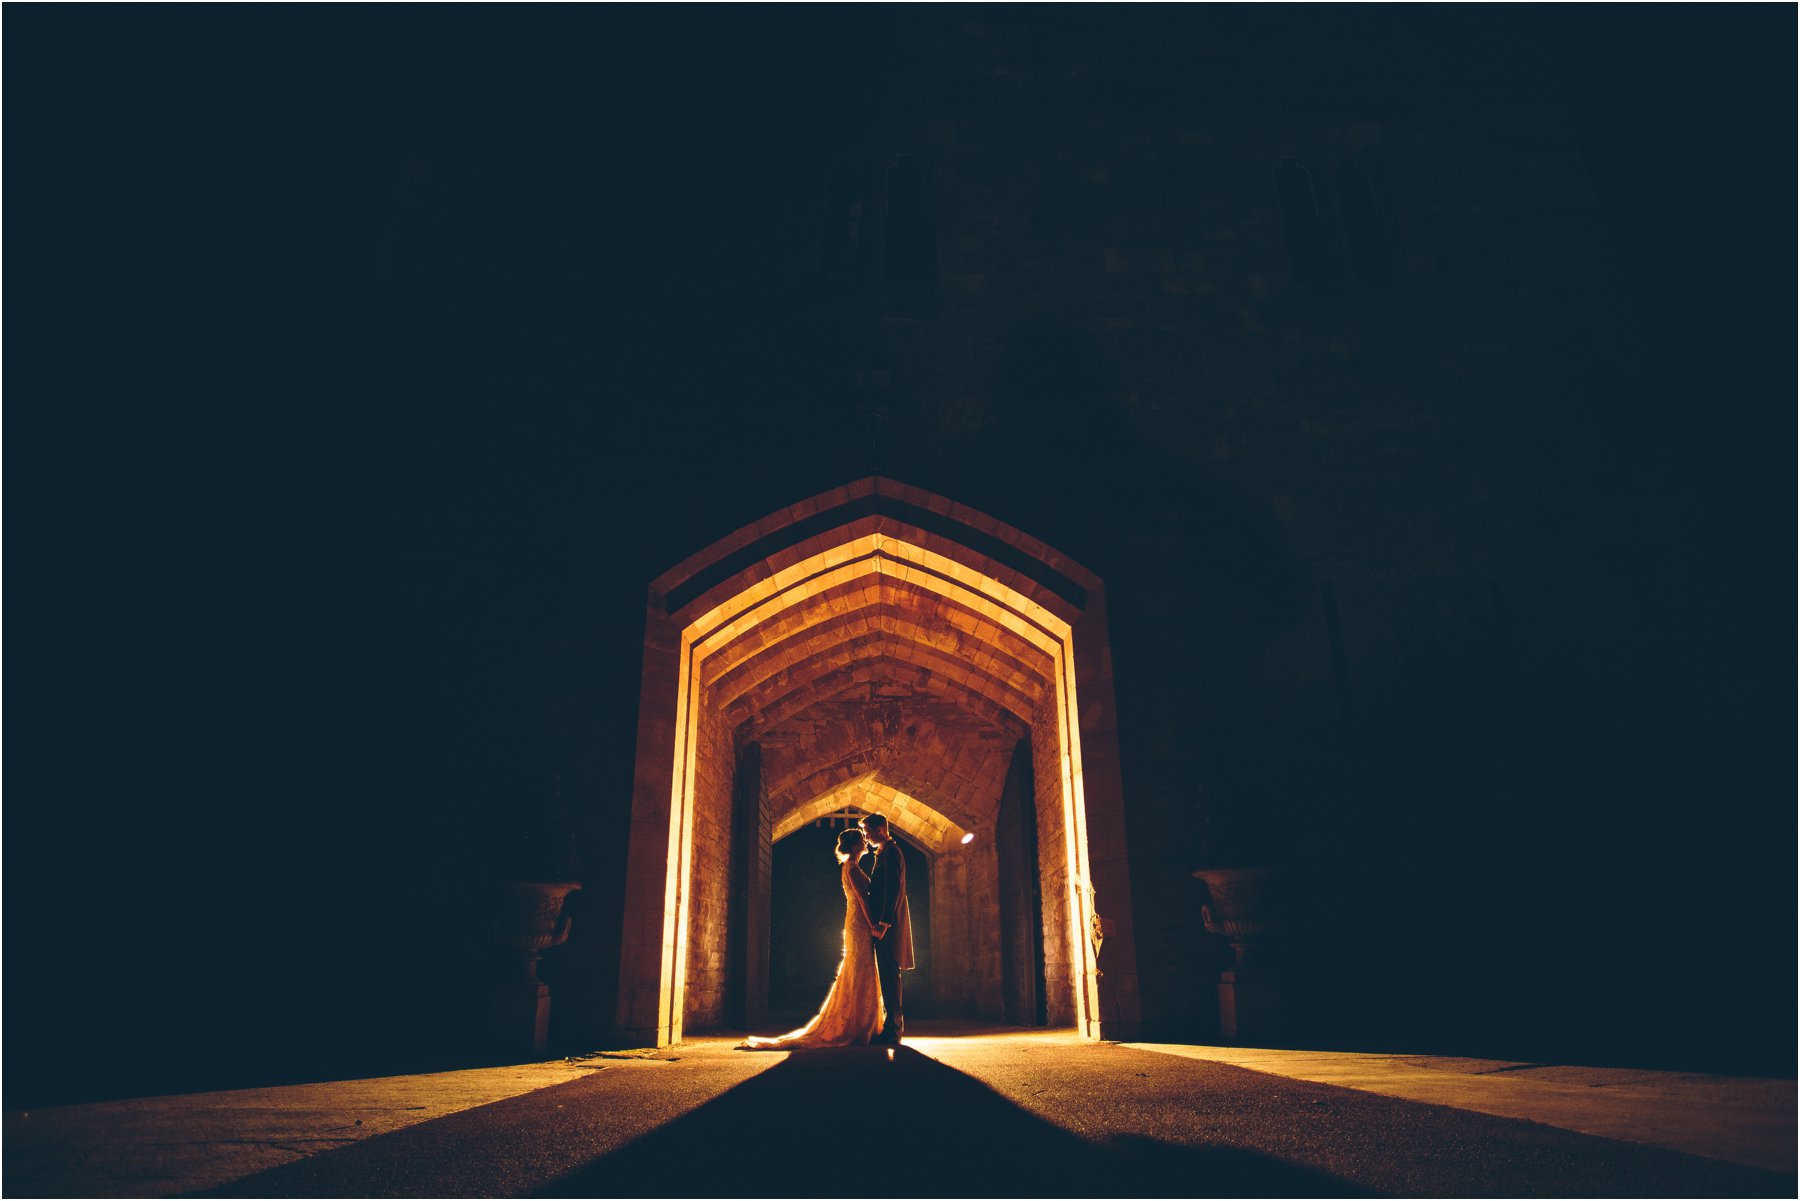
x,y
852,1013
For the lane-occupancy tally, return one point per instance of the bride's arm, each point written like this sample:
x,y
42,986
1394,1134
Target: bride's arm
x,y
853,882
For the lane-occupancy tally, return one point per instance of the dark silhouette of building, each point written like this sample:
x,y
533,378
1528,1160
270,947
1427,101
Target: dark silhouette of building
x,y
1418,381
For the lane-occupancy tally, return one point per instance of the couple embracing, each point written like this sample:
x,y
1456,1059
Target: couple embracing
x,y
863,1005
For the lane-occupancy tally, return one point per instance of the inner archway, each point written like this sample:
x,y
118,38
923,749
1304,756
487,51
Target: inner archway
x,y
878,646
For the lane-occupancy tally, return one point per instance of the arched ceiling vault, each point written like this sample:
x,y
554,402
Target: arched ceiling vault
x,y
908,775
880,654
906,639
1029,672
950,625
881,661
869,674
959,770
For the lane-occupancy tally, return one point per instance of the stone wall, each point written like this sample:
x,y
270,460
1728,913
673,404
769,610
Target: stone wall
x,y
1322,378
965,943
709,907
1060,965
752,855
1326,384
950,951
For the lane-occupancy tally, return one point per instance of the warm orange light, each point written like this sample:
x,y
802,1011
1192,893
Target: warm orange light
x,y
874,554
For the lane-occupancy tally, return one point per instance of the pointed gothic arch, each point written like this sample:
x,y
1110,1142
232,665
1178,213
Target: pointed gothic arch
x,y
964,641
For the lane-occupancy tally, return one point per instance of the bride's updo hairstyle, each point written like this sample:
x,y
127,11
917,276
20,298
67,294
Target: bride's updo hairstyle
x,y
850,844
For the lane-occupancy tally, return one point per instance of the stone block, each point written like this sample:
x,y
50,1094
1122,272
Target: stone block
x,y
520,1018
1249,1006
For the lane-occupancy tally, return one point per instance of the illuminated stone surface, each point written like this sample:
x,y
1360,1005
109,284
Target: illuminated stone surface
x,y
884,663
1009,1108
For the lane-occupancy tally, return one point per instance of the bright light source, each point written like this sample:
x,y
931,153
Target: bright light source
x,y
968,838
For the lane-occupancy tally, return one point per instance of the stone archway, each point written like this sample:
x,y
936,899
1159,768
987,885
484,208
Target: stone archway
x,y
882,641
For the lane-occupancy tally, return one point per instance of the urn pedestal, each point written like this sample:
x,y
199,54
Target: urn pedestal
x,y
531,922
1239,908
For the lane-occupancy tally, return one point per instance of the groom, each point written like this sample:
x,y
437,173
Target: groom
x,y
893,922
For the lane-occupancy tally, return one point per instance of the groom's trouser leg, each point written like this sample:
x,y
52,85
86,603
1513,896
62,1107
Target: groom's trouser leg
x,y
887,967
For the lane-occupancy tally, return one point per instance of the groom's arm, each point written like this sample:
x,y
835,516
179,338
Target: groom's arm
x,y
881,903
899,890
893,886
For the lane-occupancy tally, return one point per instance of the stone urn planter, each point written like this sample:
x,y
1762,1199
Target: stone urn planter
x,y
531,921
1241,908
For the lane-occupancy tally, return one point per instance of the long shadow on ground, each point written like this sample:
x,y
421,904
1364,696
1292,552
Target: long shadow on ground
x,y
850,1122
854,1121
857,1122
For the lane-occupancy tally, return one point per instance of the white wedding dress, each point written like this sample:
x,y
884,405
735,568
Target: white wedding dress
x,y
852,1013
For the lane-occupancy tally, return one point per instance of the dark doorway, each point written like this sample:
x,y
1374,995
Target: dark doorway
x,y
747,914
807,922
1022,996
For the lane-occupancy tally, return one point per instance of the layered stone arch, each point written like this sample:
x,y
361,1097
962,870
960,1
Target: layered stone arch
x,y
881,642
786,794
870,793
882,602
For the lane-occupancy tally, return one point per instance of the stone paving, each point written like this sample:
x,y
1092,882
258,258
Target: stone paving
x,y
1747,1120
976,1113
166,1146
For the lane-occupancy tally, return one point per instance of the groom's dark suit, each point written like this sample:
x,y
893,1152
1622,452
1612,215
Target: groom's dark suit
x,y
887,901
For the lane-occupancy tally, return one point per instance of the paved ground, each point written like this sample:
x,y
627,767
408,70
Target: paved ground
x,y
166,1146
1746,1120
991,1114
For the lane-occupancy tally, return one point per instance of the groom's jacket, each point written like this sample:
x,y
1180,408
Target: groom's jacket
x,y
887,886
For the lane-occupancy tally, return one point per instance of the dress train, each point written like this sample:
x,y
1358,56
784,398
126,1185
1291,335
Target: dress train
x,y
852,1014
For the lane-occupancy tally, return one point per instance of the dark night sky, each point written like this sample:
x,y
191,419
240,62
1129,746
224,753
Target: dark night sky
x,y
366,363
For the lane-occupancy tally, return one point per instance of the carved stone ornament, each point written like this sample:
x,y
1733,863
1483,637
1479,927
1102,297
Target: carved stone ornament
x,y
1239,905
532,921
